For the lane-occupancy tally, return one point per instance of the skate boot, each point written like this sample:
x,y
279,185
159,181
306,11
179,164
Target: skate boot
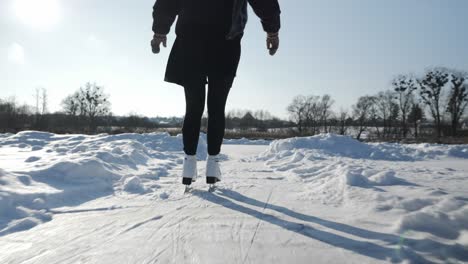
x,y
189,172
213,171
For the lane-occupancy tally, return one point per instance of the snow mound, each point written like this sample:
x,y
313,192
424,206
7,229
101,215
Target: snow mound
x,y
134,185
387,178
37,141
416,204
361,178
86,171
330,145
20,209
353,178
42,171
24,218
442,224
164,195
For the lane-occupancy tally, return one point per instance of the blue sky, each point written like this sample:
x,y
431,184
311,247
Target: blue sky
x,y
340,47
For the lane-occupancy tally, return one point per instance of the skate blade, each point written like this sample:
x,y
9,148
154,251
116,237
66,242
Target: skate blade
x,y
188,189
212,188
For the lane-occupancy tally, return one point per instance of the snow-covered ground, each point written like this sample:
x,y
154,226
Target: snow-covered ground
x,y
323,199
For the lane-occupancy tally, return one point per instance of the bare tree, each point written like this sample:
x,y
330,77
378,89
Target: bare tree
x,y
415,116
37,96
343,121
386,112
41,101
7,114
361,113
14,117
298,112
261,117
325,109
44,100
404,86
267,115
431,85
458,99
71,105
96,102
313,113
88,102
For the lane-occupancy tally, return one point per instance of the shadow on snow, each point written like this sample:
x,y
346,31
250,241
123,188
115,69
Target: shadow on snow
x,y
396,249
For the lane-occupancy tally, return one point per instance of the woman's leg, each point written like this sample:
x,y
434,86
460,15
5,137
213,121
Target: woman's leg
x,y
194,107
218,91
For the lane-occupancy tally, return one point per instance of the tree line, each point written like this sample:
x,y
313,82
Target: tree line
x,y
432,104
88,110
84,111
439,96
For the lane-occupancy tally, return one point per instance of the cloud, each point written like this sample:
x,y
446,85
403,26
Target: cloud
x,y
16,54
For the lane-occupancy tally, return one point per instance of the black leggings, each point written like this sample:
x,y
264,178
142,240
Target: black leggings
x,y
218,91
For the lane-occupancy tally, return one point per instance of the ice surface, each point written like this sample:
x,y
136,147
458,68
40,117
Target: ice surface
x,y
327,198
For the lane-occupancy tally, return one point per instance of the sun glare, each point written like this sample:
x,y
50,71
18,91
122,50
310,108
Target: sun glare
x,y
39,14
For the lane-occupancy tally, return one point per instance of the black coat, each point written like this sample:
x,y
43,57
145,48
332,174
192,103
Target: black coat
x,y
209,33
165,12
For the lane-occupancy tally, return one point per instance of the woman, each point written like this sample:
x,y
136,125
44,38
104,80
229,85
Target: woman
x,y
207,51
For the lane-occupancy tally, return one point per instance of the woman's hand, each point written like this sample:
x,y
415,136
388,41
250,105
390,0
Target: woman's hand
x,y
272,42
156,42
